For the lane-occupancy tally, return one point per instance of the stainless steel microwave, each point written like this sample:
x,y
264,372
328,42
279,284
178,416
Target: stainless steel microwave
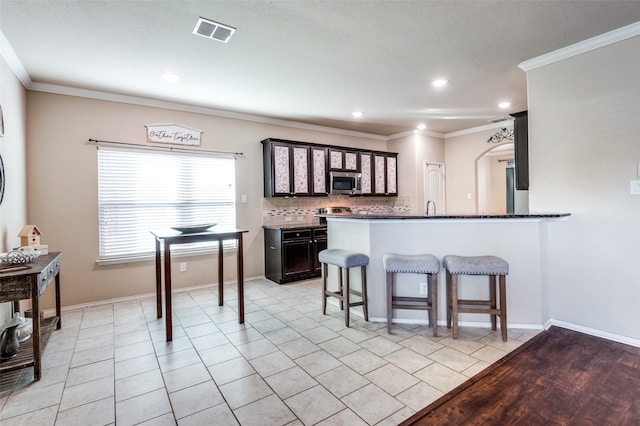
x,y
347,183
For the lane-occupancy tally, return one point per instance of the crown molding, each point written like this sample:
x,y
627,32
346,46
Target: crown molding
x,y
584,46
414,132
11,58
106,96
505,123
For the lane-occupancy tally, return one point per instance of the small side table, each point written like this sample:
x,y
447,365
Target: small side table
x,y
29,282
170,237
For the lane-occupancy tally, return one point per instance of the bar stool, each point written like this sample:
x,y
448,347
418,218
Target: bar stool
x,y
413,264
344,259
492,266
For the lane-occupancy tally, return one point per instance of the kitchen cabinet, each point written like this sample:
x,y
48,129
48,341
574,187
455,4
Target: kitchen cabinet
x,y
319,183
385,174
293,168
366,165
343,160
291,253
521,149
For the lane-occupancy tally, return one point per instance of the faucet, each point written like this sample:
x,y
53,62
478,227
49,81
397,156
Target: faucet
x,y
426,209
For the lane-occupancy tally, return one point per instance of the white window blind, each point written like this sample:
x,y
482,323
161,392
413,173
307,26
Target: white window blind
x,y
144,190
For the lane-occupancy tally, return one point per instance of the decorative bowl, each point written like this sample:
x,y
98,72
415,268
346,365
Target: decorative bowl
x,y
191,229
17,257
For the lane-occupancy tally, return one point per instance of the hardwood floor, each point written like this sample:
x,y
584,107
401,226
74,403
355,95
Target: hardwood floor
x,y
560,377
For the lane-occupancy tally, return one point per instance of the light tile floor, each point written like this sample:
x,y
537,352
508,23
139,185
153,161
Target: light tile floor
x,y
287,365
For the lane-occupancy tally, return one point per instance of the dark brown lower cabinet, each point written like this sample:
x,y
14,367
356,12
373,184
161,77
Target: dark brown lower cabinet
x,y
291,254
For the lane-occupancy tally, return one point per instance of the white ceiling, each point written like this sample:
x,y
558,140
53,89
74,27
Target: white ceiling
x,y
308,61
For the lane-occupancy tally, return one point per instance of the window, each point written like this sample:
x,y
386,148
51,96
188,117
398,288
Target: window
x,y
143,190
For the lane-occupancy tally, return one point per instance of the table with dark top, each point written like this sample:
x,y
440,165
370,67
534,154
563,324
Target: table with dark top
x,y
165,239
19,282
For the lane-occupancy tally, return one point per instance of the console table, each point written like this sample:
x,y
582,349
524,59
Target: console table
x,y
168,238
18,282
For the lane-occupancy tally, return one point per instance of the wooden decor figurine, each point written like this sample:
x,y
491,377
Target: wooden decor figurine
x,y
30,237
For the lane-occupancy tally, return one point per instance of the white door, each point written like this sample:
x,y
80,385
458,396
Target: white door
x,y
434,187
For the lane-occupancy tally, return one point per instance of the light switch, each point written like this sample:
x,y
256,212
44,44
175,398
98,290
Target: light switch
x,y
244,198
635,187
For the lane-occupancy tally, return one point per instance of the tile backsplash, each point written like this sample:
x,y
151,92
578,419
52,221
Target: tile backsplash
x,y
301,210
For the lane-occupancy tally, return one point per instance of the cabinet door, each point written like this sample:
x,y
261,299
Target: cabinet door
x,y
319,244
280,155
380,174
351,161
367,172
392,175
301,170
319,171
336,159
296,258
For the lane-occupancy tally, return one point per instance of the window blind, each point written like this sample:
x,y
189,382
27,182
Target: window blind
x,y
144,190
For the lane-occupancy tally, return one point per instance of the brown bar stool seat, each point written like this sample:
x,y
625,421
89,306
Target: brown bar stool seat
x,y
492,266
344,260
413,264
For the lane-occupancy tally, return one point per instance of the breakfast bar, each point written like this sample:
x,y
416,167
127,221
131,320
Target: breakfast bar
x,y
522,240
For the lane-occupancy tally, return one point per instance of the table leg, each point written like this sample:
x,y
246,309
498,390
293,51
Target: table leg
x,y
35,336
58,313
220,274
158,280
240,282
167,291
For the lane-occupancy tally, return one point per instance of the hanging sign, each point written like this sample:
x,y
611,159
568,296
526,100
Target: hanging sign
x,y
173,134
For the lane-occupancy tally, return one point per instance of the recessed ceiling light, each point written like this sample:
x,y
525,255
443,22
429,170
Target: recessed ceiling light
x,y
213,30
421,126
440,82
504,104
357,114
170,77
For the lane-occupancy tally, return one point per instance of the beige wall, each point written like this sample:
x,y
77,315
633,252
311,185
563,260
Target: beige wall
x,y
13,210
62,186
413,151
461,153
584,146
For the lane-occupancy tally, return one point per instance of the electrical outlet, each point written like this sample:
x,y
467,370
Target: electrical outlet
x,y
288,218
424,288
635,187
183,266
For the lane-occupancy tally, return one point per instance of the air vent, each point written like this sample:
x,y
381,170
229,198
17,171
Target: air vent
x,y
499,119
213,30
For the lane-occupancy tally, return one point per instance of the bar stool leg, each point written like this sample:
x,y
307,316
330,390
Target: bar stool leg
x,y
389,300
345,294
341,284
449,307
364,293
433,301
454,304
324,289
503,307
492,300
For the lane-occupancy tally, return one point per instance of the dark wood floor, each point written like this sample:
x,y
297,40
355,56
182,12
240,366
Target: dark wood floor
x,y
560,377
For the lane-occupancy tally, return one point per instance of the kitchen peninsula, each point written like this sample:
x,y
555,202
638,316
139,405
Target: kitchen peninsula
x,y
522,240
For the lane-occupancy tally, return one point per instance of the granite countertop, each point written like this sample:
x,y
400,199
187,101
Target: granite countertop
x,y
467,216
296,226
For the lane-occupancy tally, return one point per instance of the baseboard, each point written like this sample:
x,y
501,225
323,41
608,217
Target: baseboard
x,y
593,332
443,323
52,311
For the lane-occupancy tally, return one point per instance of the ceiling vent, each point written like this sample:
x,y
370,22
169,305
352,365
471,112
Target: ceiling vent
x,y
213,30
